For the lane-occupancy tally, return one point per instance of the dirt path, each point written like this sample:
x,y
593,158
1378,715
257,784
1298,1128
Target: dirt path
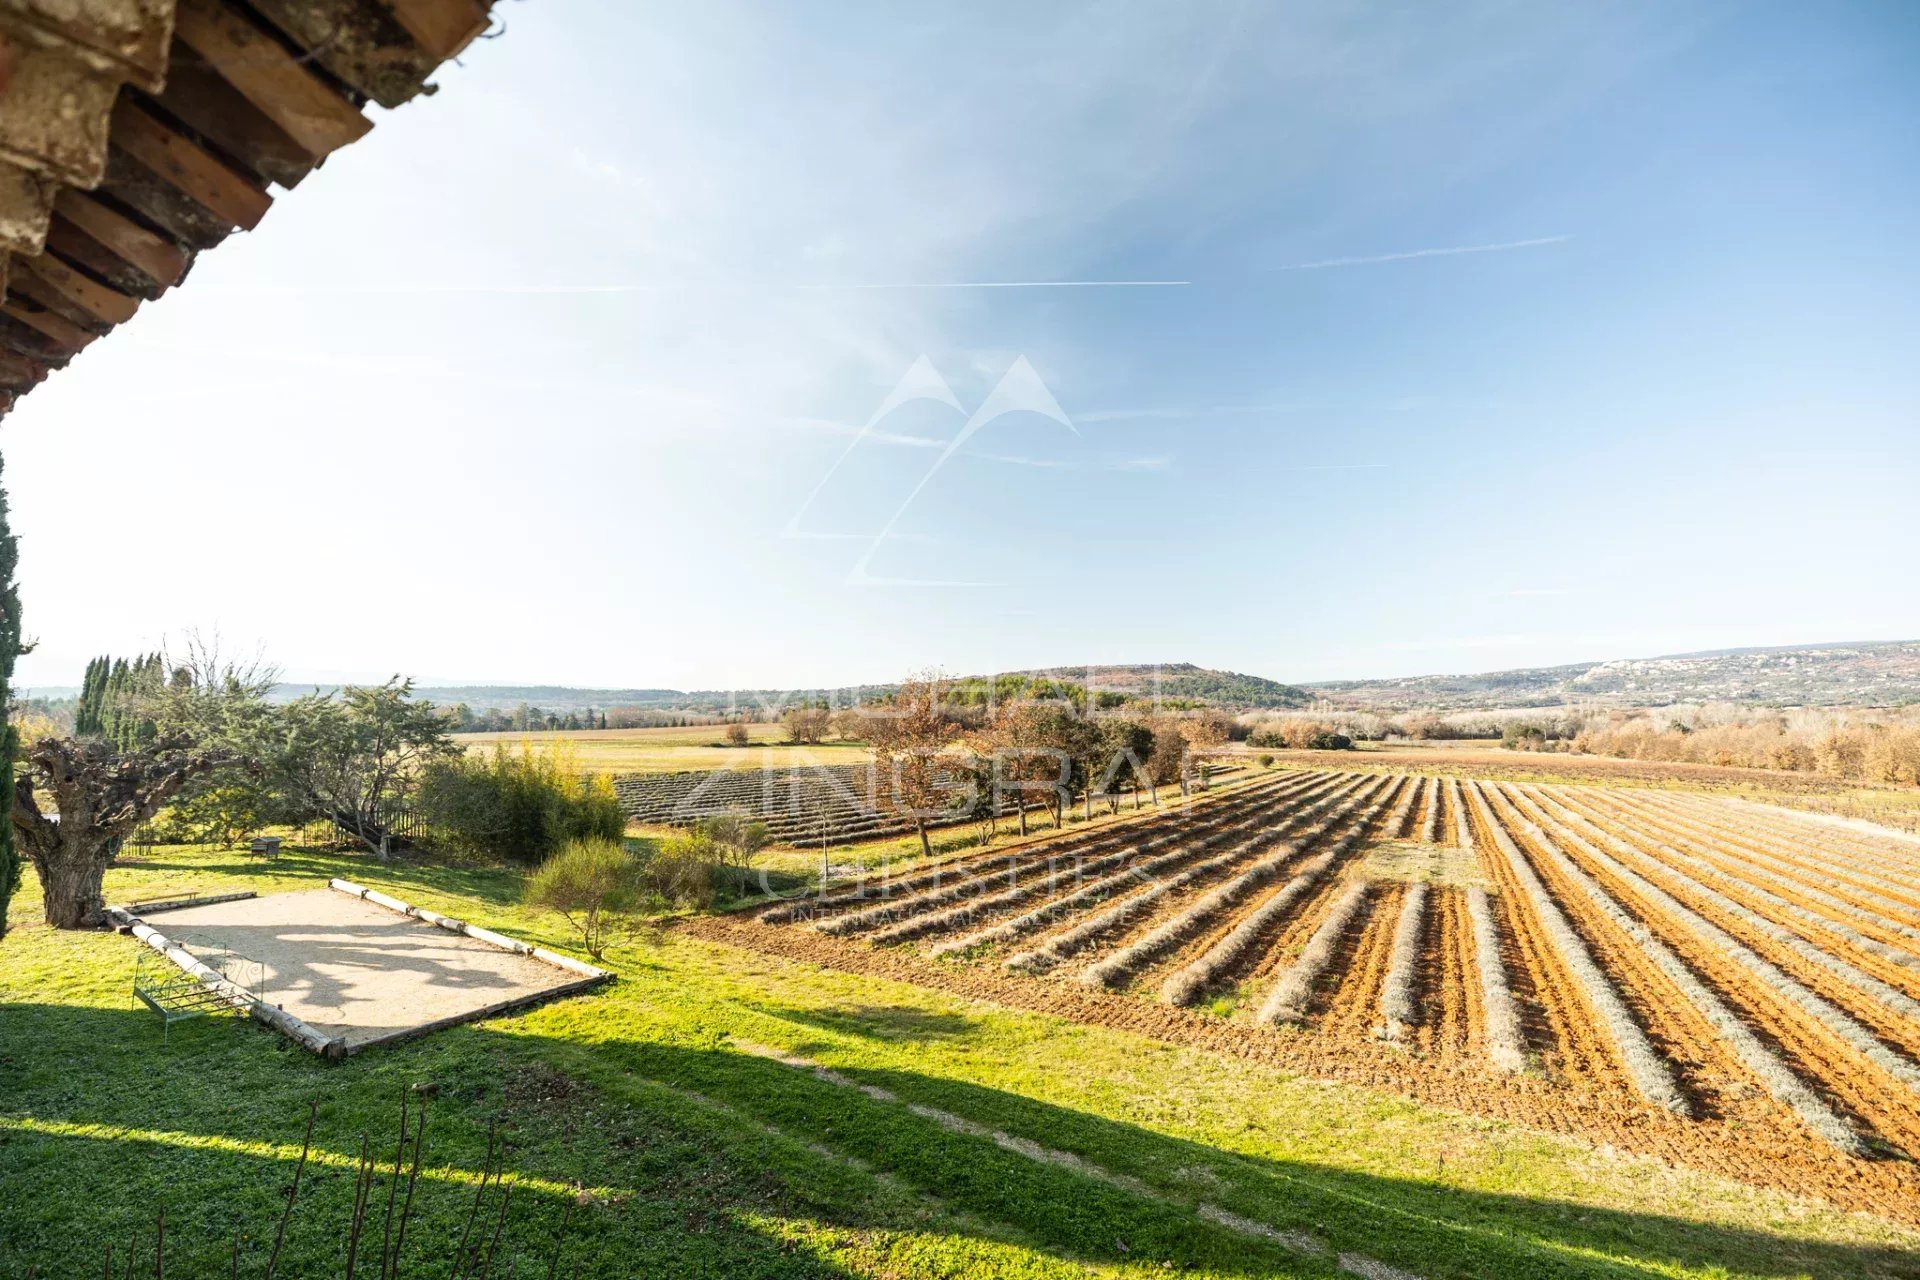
x,y
1451,1029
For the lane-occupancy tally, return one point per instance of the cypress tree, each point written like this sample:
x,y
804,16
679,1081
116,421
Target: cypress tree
x,y
112,701
142,731
9,738
93,694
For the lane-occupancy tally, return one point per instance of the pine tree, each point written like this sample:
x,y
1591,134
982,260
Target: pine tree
x,y
9,740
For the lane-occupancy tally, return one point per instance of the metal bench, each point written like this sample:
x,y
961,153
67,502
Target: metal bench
x,y
177,995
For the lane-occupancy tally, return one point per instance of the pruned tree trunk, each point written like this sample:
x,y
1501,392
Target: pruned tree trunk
x,y
70,881
99,796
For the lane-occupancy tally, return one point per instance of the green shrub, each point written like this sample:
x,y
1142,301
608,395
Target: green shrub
x,y
735,840
681,870
518,806
223,814
1266,761
592,883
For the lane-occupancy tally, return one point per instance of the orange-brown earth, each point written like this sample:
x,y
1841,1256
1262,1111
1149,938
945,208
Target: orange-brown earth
x,y
1577,1084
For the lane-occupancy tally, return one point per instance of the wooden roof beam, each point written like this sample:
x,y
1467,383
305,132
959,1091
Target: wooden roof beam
x,y
443,27
24,287
160,204
43,276
20,371
17,335
78,249
62,332
214,109
188,167
259,66
361,42
154,256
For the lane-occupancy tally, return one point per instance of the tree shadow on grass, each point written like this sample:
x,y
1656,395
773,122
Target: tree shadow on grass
x,y
703,1145
888,1119
486,881
891,1023
104,1125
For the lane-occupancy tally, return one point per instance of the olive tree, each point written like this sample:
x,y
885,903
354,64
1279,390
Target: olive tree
x,y
99,794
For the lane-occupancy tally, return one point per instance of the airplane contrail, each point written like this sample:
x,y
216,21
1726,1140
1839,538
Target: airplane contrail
x,y
1453,251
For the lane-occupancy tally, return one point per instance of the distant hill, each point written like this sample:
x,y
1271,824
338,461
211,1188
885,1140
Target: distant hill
x,y
1183,681
1173,682
1853,673
1859,673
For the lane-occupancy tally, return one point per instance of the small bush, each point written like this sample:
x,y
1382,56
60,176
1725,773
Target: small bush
x,y
738,735
1266,761
1524,737
592,883
1300,734
735,840
519,806
681,871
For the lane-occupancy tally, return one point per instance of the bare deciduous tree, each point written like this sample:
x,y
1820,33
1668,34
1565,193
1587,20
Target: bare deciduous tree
x,y
910,740
806,725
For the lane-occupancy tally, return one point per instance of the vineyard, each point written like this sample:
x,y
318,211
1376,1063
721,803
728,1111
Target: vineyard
x,y
808,807
1702,978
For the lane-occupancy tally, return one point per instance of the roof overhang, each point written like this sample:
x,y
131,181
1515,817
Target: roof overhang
x,y
136,133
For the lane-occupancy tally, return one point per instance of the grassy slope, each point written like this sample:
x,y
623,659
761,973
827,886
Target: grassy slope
x,y
702,1159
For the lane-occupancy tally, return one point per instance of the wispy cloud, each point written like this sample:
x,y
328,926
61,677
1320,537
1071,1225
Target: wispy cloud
x,y
904,440
1452,251
1017,460
1007,284
1177,413
871,435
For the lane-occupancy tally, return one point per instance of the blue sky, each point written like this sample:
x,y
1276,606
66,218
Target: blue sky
x,y
1487,335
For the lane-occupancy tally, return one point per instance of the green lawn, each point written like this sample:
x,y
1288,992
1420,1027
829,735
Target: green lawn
x,y
688,1151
